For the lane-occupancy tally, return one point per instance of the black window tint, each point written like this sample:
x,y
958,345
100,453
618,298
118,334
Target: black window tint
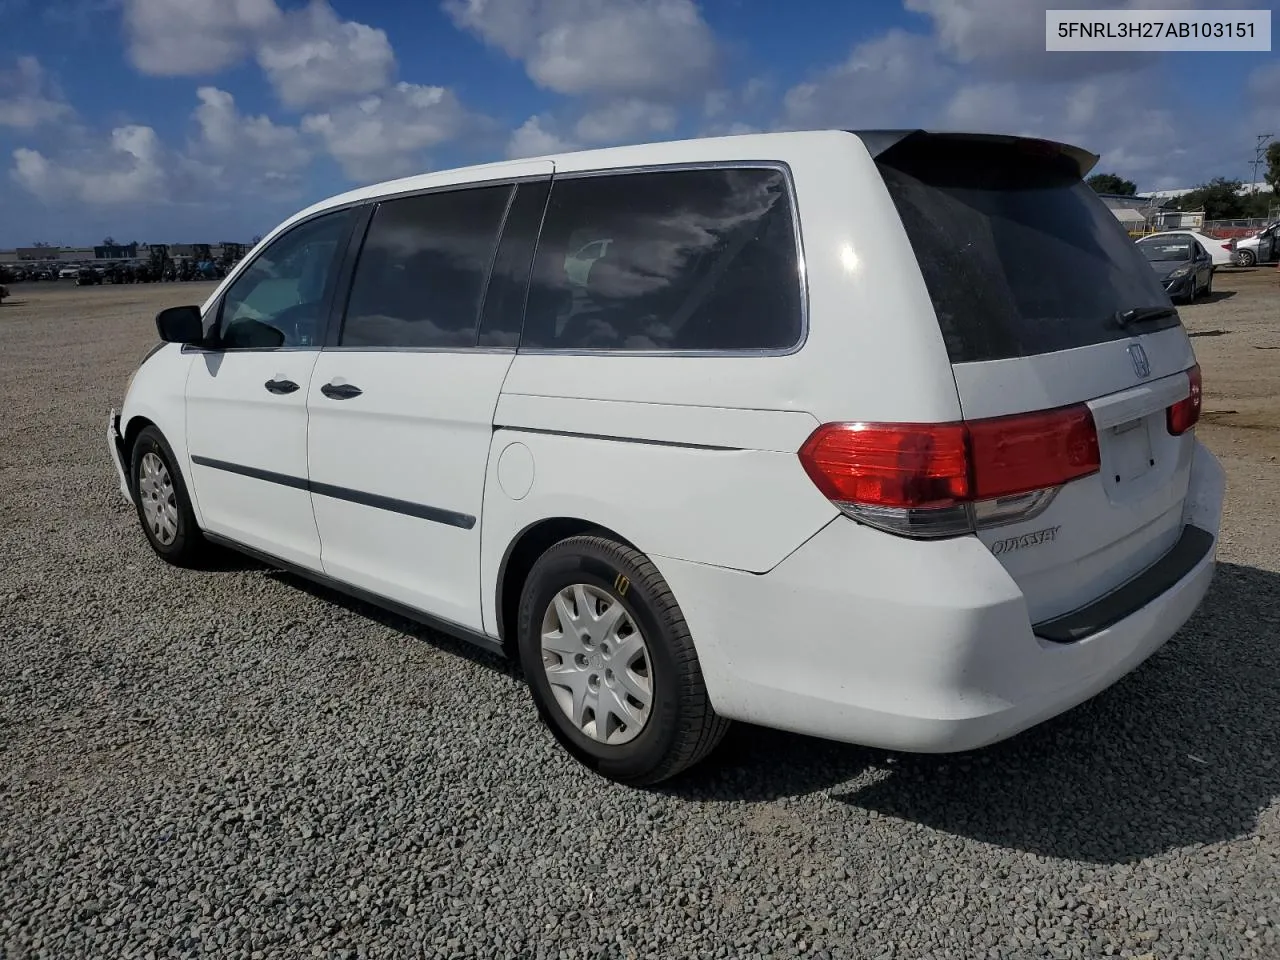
x,y
277,301
509,281
1019,255
673,260
422,270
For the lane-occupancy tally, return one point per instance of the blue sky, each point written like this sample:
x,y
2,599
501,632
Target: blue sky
x,y
186,120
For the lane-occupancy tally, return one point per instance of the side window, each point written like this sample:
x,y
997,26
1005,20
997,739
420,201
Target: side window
x,y
422,270
509,282
279,300
671,260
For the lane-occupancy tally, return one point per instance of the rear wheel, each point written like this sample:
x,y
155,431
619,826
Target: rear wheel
x,y
164,508
610,663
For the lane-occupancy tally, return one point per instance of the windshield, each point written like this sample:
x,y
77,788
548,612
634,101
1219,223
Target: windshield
x,y
1174,249
1019,255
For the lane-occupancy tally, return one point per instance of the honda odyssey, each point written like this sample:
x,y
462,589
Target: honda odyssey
x,y
795,429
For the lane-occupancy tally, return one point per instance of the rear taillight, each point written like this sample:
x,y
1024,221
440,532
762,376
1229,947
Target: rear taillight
x,y
938,480
1184,414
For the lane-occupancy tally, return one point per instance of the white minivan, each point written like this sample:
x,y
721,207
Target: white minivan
x,y
883,437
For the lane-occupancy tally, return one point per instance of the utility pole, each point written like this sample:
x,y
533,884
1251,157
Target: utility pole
x,y
1259,158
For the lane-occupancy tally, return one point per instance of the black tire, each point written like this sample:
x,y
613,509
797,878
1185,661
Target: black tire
x,y
682,728
188,546
1208,285
1246,258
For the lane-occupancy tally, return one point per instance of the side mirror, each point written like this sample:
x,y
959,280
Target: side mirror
x,y
180,325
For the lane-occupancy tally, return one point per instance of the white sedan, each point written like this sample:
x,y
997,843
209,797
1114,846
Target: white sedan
x,y
1222,251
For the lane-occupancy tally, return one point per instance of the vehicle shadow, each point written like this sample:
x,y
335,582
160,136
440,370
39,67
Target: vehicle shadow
x,y
225,560
1184,751
394,621
1215,296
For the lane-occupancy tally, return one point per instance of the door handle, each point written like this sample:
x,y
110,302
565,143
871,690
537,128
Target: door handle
x,y
281,386
340,391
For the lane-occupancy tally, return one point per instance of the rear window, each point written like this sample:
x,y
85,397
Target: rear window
x,y
676,260
1171,248
1019,255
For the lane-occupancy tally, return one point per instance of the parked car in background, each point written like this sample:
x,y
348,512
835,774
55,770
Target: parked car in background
x,y
1220,251
695,476
1181,264
1264,247
87,277
69,273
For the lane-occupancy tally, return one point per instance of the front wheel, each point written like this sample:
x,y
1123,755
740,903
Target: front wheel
x,y
610,663
164,508
1246,258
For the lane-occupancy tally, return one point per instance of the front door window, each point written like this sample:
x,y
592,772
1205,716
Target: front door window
x,y
279,299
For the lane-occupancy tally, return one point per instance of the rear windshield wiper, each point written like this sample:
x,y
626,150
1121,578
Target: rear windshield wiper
x,y
1134,315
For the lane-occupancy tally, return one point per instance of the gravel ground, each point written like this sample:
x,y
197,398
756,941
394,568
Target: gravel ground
x,y
232,764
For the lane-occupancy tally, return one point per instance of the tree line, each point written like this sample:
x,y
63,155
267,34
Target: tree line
x,y
1219,198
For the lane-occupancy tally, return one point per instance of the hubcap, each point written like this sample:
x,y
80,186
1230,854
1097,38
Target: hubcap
x,y
597,663
159,500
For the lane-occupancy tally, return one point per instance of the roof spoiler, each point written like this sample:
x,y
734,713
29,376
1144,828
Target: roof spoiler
x,y
880,142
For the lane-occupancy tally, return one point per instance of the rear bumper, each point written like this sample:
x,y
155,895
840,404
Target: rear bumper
x,y
926,647
115,448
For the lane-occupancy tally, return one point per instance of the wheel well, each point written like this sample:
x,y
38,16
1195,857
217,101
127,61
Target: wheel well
x,y
525,549
131,431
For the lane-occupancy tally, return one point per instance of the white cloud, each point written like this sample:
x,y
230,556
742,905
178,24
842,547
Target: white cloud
x,y
313,57
735,128
129,168
28,98
310,55
986,29
1122,118
746,109
614,122
387,135
228,153
886,81
605,48
983,68
1006,37
190,37
977,106
235,150
537,137
623,120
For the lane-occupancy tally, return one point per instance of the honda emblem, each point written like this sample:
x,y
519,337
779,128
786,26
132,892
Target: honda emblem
x,y
1141,365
